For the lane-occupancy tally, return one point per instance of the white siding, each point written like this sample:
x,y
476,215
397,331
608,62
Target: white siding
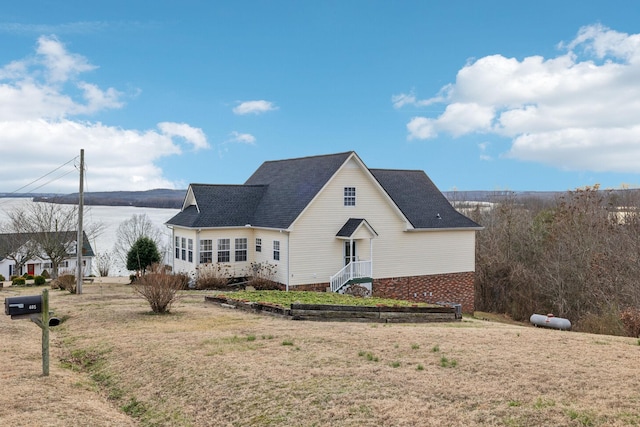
x,y
237,269
396,252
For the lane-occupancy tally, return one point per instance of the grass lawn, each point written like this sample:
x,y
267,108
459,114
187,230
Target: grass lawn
x,y
285,299
113,363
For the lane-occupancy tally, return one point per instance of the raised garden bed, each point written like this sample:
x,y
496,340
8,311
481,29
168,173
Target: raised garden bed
x,y
353,313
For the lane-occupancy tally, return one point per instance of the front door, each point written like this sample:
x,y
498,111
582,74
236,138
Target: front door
x,y
31,269
349,251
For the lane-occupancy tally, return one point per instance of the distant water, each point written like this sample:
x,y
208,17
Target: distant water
x,y
110,216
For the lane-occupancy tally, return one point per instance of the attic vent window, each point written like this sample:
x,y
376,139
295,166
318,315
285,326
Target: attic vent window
x,y
349,196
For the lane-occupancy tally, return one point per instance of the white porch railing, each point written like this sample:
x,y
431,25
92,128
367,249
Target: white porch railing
x,y
353,270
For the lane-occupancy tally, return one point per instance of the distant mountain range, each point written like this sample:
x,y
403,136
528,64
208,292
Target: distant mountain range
x,y
158,198
173,199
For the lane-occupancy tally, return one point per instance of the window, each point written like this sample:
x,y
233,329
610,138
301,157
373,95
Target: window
x,y
276,250
258,245
224,249
177,247
184,248
349,196
190,250
241,249
206,251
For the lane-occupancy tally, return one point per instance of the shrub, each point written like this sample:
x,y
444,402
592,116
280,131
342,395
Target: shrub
x,y
39,280
19,281
262,275
357,291
67,282
2,279
213,276
607,322
630,318
159,287
46,274
28,276
184,280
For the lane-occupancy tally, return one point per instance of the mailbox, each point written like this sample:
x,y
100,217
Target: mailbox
x,y
25,305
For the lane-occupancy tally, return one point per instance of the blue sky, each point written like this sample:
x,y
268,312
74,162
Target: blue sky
x,y
491,95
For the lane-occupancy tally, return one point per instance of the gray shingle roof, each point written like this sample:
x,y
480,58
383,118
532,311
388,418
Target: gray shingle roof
x,y
292,184
278,191
221,206
420,200
351,226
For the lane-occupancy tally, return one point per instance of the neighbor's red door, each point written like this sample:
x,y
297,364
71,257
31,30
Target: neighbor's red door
x,y
31,269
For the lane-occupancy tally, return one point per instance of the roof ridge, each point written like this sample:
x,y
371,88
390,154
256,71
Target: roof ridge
x,y
309,157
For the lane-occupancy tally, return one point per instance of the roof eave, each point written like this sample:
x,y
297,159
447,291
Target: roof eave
x,y
447,229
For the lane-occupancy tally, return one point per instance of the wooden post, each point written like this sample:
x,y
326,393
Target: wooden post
x,y
43,322
45,332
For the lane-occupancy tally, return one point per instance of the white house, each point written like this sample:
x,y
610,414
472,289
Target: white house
x,y
329,221
20,246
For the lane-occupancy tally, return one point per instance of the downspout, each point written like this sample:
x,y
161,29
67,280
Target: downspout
x,y
288,268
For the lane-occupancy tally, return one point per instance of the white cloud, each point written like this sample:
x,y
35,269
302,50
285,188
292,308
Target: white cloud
x,y
192,135
565,111
254,107
39,131
243,138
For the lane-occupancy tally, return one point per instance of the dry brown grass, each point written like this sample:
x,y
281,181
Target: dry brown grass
x,y
205,365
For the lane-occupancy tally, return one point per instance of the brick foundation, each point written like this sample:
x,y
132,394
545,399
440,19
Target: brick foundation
x,y
313,287
454,287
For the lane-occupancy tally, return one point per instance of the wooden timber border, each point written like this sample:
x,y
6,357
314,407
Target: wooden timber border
x,y
326,313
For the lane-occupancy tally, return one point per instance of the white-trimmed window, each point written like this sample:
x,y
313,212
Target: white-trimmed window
x,y
349,196
206,251
184,248
241,249
224,249
190,251
177,247
258,244
276,250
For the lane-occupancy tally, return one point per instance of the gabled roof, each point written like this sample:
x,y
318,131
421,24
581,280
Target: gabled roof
x,y
273,197
420,200
279,191
292,184
352,225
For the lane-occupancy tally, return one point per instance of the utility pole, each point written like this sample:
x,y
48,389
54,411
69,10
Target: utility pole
x,y
80,239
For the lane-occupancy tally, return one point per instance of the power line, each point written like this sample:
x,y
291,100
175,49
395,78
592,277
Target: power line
x,y
44,176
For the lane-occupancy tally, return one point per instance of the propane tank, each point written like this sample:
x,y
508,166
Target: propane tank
x,y
550,321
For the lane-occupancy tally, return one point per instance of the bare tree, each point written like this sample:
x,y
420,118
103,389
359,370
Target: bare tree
x,y
16,247
577,256
52,228
131,230
104,263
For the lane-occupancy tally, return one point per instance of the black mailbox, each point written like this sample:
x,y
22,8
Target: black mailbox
x,y
17,306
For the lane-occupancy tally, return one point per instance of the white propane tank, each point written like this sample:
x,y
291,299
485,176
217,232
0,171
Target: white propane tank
x,y
550,321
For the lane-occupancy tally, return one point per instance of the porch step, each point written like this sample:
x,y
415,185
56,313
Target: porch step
x,y
358,280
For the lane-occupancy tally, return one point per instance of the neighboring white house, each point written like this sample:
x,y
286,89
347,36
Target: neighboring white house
x,y
328,222
21,245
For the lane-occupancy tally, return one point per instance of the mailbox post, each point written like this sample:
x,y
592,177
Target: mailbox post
x,y
29,307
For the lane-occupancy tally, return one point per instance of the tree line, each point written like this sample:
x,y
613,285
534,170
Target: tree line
x,y
576,256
